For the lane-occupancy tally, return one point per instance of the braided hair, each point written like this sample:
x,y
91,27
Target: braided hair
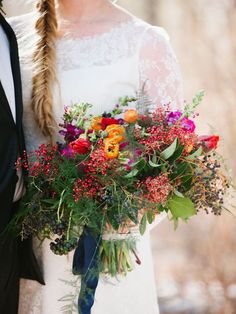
x,y
44,76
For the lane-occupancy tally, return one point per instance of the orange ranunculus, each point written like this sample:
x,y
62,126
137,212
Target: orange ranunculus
x,y
96,123
116,132
111,148
131,115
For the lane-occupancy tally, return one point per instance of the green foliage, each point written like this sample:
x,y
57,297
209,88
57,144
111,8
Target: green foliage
x,y
116,255
181,207
177,154
143,224
80,189
195,154
170,150
189,109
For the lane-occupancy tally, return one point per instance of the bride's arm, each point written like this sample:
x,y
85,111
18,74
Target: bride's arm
x,y
160,75
159,69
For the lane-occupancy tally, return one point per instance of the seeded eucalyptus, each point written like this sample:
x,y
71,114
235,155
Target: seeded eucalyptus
x,y
210,186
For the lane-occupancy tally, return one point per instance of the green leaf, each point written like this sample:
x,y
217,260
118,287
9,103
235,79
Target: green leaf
x,y
187,182
197,153
133,216
131,174
181,207
154,165
169,151
176,154
154,158
198,98
50,202
123,160
150,216
161,209
181,169
143,224
178,193
113,221
140,164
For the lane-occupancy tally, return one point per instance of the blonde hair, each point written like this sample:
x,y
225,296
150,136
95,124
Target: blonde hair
x,y
44,59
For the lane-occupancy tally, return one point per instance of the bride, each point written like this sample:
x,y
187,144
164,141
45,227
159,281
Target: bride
x,y
89,51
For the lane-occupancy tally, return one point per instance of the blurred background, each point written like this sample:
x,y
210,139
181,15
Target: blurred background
x,y
196,265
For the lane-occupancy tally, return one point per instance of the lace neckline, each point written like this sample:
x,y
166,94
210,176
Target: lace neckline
x,y
113,30
117,43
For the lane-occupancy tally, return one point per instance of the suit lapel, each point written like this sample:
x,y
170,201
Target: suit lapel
x,y
17,82
15,72
5,104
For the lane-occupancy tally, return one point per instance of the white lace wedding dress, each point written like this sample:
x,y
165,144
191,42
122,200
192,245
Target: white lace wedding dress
x,y
99,69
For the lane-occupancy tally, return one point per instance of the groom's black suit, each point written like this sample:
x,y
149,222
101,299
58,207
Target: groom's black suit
x,y
17,259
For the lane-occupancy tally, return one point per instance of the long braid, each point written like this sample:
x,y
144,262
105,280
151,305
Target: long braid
x,y
44,59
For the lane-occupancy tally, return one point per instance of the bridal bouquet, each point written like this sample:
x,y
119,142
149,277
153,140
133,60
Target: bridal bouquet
x,y
115,173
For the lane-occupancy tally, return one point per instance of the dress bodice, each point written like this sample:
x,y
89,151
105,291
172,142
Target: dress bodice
x,y
101,68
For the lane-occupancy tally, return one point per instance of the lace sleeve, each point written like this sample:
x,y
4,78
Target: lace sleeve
x,y
159,69
160,76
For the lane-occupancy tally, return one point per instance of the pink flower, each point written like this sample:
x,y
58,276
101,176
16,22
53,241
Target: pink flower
x,y
123,145
67,152
173,117
188,124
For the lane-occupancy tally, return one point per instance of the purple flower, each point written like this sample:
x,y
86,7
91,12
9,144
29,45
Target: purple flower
x,y
71,132
123,145
129,164
188,124
121,121
131,161
138,152
62,132
173,117
67,152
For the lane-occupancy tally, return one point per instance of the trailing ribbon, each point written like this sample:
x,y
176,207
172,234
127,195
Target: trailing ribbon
x,y
86,264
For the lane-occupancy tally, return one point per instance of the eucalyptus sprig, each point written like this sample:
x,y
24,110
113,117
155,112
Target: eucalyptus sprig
x,y
189,109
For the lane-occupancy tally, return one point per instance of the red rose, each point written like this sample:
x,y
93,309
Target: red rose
x,y
209,142
80,146
107,121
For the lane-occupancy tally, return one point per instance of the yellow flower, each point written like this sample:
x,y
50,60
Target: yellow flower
x,y
131,115
111,148
116,132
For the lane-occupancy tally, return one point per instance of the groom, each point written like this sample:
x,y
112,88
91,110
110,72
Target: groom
x,y
17,259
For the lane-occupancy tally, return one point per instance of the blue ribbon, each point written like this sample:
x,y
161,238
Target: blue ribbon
x,y
86,264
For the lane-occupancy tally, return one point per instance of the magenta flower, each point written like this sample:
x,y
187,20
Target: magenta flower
x,y
188,124
67,152
138,152
173,117
121,121
123,145
129,164
71,132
